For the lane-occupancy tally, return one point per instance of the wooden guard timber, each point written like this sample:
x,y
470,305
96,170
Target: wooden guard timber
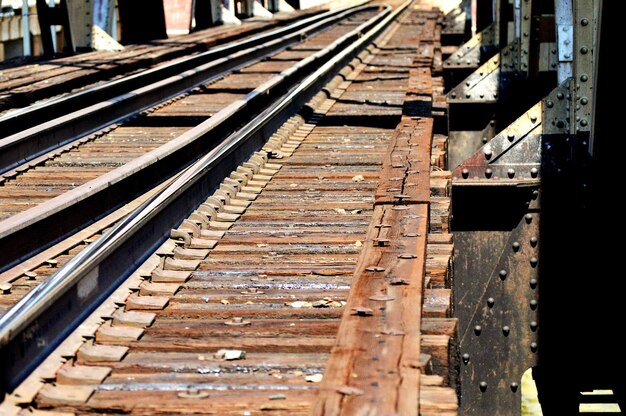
x,y
375,365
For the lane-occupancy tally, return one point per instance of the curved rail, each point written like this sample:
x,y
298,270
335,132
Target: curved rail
x,y
66,119
39,322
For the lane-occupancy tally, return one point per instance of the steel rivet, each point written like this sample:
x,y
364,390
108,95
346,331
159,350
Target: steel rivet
x,y
502,274
584,78
534,241
466,358
465,173
533,346
516,246
533,326
506,330
528,218
583,123
488,152
584,50
534,172
549,104
511,137
478,329
468,95
533,283
560,124
584,101
491,302
511,173
483,386
533,304
560,95
514,387
533,261
488,172
584,22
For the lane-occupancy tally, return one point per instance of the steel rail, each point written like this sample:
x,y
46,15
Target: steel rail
x,y
66,119
40,321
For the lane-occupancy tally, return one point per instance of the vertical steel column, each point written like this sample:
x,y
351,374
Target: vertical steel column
x,y
26,51
206,13
48,18
142,21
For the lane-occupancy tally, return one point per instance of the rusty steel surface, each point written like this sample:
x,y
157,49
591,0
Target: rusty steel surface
x,y
242,313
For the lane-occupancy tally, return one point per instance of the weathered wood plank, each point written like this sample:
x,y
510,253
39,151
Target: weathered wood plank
x,y
379,335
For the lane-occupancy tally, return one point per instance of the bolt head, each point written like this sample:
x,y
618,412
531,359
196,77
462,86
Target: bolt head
x,y
533,283
483,386
534,172
488,172
534,261
514,386
533,304
506,330
491,302
478,329
533,326
502,274
465,173
534,346
511,173
516,246
466,358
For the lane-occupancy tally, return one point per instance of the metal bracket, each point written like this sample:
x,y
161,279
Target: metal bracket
x,y
511,158
475,51
556,110
483,85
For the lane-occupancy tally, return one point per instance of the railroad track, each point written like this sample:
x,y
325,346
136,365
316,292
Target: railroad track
x,y
320,246
119,161
25,85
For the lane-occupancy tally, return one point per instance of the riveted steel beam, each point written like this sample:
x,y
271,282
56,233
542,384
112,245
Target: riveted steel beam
x,y
497,208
